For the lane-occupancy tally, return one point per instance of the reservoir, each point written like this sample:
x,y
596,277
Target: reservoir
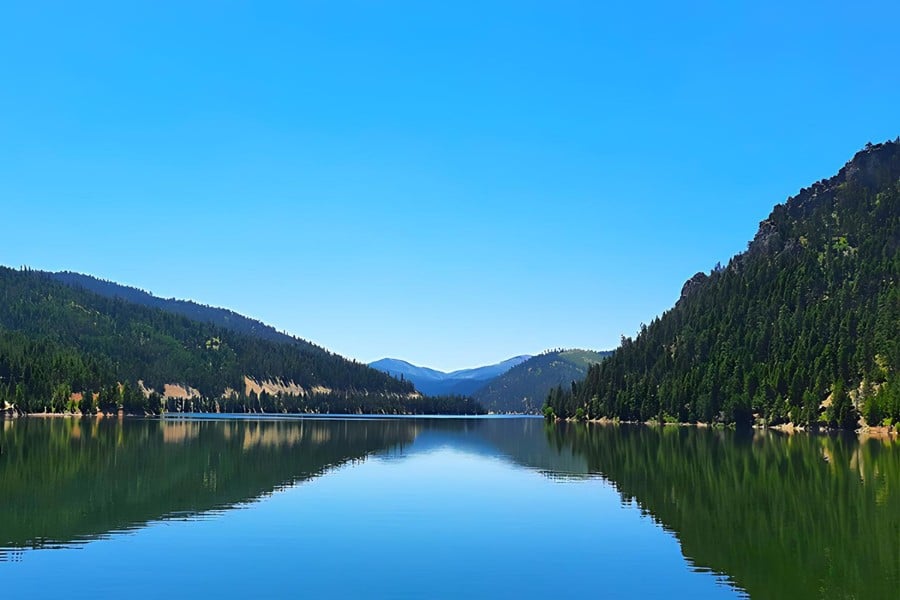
x,y
492,507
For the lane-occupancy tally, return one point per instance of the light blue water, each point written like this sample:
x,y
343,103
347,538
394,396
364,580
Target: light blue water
x,y
416,508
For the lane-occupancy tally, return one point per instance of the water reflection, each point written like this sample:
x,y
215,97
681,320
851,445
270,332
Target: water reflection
x,y
69,480
780,516
776,515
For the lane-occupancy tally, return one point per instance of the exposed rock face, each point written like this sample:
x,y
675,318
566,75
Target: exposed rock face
x,y
180,392
767,239
277,386
693,284
866,169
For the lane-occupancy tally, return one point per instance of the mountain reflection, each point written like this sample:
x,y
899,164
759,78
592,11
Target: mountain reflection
x,y
781,516
70,480
778,516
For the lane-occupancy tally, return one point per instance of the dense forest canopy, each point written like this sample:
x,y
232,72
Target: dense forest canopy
x,y
67,348
222,317
803,327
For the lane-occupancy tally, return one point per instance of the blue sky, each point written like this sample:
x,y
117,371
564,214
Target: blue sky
x,y
451,183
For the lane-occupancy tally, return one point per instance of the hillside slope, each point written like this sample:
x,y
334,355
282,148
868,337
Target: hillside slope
x,y
220,317
59,344
804,326
524,388
435,383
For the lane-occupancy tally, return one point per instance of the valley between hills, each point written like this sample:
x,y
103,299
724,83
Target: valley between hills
x,y
801,330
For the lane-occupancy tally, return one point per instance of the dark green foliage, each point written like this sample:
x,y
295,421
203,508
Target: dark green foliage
x,y
57,340
64,480
781,517
524,388
221,317
811,310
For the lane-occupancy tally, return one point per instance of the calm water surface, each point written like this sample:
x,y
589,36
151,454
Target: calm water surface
x,y
402,507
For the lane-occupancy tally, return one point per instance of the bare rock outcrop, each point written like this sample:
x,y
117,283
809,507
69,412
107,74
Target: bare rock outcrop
x,y
693,284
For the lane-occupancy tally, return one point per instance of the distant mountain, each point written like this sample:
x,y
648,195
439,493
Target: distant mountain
x,y
221,317
438,383
525,387
410,372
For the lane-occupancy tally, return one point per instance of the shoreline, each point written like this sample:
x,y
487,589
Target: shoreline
x,y
865,431
51,415
10,415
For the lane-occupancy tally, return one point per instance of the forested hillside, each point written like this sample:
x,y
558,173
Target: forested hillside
x,y
803,327
221,317
524,388
65,348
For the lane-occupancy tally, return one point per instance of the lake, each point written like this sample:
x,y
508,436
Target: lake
x,y
441,508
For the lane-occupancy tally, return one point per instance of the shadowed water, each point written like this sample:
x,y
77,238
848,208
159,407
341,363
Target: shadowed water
x,y
404,507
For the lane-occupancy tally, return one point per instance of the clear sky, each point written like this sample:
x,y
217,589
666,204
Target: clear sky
x,y
449,183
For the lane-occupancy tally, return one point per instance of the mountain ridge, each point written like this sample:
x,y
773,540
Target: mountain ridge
x,y
434,382
524,388
222,317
